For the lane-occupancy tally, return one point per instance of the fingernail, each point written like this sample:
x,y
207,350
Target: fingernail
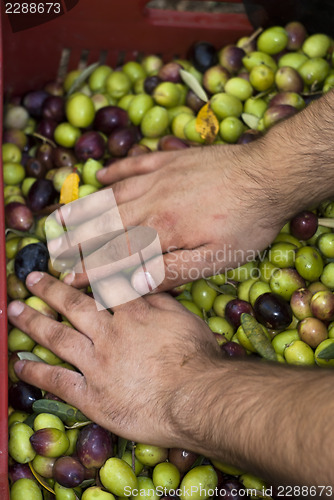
x,y
15,308
143,283
69,278
18,367
34,278
101,173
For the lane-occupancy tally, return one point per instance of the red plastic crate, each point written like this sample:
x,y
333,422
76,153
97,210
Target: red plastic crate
x,y
110,31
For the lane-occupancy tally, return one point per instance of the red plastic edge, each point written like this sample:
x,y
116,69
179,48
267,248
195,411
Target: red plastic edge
x,y
28,59
4,490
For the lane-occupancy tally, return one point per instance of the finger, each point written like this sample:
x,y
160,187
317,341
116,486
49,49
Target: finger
x,y
132,188
130,167
180,266
66,384
67,343
78,308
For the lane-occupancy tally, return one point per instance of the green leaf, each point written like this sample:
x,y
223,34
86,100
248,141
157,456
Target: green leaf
x,y
257,337
82,78
194,85
251,121
121,446
199,460
327,353
70,415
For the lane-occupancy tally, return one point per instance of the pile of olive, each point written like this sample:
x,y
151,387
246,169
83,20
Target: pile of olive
x,y
88,121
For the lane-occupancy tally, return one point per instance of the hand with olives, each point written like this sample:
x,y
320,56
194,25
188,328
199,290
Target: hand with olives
x,y
133,364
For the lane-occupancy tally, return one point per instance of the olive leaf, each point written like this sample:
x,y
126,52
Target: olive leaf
x,y
326,222
82,78
199,460
70,415
29,356
22,234
121,446
194,85
327,353
254,332
250,120
41,480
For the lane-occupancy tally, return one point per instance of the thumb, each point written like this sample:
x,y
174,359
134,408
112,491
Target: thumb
x,y
174,269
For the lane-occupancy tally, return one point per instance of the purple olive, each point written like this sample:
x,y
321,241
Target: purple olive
x,y
35,168
18,216
121,140
94,446
171,143
33,102
233,350
19,471
54,108
110,118
150,83
68,472
21,396
90,145
170,72
46,128
304,225
234,310
41,194
272,311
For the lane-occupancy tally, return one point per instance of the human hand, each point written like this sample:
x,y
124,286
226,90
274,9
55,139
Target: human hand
x,y
209,207
134,365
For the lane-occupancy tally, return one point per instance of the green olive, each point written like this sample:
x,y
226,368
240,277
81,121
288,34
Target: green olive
x,y
220,303
98,78
255,107
146,489
19,446
323,345
43,465
25,489
166,476
286,281
292,59
283,339
224,105
139,105
191,133
327,276
244,287
118,84
118,477
262,77
252,482
13,173
179,123
44,420
199,483
203,294
309,263
96,493
90,168
167,94
72,436
272,40
150,455
134,70
287,238
12,247
231,129
63,493
257,58
17,416
19,341
125,101
221,326
314,70
188,304
154,122
266,269
316,45
46,355
282,254
258,288
66,134
239,88
321,230
299,353
80,110
70,79
86,189
325,243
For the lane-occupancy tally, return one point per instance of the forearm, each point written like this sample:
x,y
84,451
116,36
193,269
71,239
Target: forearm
x,y
292,166
272,420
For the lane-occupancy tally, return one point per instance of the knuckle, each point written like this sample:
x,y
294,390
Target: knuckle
x,y
57,333
56,378
74,301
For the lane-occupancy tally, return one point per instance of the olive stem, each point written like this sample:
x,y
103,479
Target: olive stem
x,y
44,139
252,37
326,222
133,457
